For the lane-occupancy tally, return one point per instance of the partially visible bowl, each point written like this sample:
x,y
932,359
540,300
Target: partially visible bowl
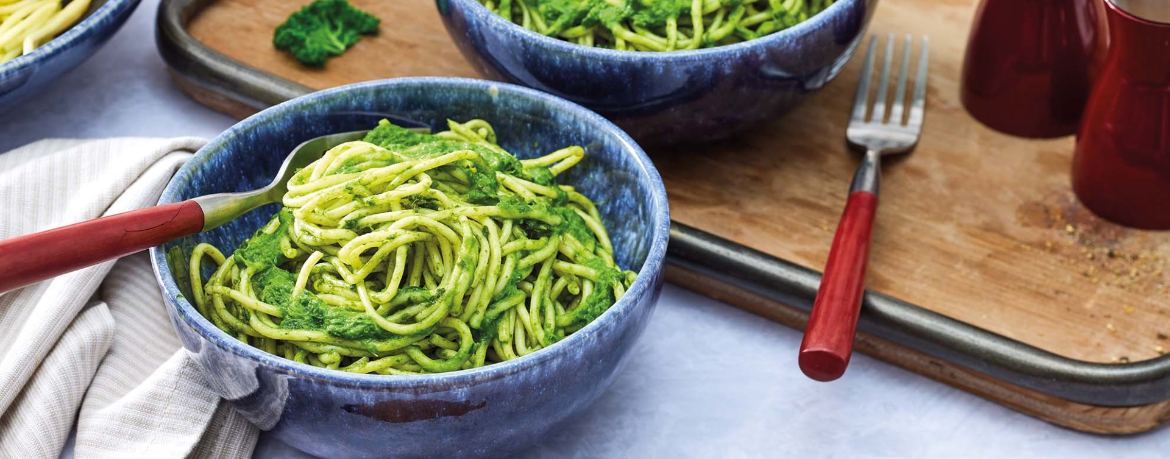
x,y
24,76
667,97
485,412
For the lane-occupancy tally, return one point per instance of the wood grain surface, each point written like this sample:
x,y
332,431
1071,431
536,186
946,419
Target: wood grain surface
x,y
976,225
411,42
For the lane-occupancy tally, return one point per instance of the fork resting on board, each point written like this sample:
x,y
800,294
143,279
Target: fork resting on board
x,y
828,338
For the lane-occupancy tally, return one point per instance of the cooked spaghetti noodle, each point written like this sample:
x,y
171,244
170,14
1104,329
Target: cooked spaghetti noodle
x,y
416,253
656,25
27,24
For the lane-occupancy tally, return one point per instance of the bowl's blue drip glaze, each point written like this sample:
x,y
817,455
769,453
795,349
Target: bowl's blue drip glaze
x,y
486,412
22,77
671,97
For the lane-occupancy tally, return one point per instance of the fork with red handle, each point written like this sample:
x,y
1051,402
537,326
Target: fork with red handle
x,y
828,338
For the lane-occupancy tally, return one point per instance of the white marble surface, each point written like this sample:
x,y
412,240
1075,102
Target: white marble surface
x,y
706,380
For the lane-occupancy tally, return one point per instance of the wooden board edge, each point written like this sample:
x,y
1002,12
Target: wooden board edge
x,y
210,98
1065,413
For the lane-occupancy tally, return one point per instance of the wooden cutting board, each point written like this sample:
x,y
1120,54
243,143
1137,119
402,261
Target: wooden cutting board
x,y
975,225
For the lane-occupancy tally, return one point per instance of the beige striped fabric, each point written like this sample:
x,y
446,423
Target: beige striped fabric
x,y
93,348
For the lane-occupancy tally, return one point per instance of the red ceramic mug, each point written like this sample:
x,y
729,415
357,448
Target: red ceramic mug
x,y
1029,64
1121,168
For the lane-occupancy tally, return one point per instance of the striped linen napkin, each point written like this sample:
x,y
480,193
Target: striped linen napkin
x,y
94,349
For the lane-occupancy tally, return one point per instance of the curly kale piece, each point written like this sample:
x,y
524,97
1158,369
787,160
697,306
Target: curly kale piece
x,y
323,29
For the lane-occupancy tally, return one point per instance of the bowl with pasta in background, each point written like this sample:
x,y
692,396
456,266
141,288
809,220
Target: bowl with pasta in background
x,y
71,32
668,97
488,411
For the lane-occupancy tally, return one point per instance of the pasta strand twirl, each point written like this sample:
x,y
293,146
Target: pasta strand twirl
x,y
415,253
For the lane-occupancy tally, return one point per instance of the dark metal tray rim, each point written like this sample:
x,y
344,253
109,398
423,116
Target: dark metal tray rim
x,y
1119,385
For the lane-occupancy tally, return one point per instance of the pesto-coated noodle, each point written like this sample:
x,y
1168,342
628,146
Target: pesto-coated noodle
x,y
415,253
656,25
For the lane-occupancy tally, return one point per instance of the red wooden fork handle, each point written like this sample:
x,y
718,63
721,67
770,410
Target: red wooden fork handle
x,y
828,338
35,257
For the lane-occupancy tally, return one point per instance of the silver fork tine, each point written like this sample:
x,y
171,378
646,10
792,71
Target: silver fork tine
x,y
900,92
918,106
879,103
861,100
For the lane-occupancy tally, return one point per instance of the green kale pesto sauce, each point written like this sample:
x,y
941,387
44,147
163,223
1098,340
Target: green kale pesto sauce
x,y
274,285
571,223
485,190
262,250
588,13
414,145
601,298
308,312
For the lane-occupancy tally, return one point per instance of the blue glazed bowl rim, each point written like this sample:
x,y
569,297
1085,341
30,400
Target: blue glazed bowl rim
x,y
71,36
642,285
692,54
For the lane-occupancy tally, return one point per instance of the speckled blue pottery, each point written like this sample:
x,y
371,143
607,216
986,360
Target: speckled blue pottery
x,y
491,411
667,97
25,75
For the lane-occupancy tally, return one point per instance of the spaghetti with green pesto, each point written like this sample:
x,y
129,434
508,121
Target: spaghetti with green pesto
x,y
656,25
410,253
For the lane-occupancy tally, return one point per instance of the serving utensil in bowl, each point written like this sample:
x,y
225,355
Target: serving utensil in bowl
x,y
828,338
35,257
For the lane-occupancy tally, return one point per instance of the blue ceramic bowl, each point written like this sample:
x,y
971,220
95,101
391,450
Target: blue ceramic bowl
x,y
485,412
667,97
25,75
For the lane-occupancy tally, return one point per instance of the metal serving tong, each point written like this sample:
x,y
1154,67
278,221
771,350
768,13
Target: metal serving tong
x,y
35,257
828,338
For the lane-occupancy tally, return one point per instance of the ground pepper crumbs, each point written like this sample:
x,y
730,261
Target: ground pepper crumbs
x,y
1109,258
1135,272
